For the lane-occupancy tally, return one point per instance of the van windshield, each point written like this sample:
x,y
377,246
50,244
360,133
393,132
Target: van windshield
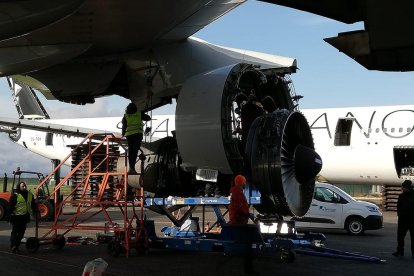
x,y
344,194
331,194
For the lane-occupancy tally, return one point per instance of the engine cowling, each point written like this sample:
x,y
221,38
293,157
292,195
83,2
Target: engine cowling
x,y
240,119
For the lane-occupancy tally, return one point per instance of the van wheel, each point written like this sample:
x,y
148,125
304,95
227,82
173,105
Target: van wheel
x,y
355,226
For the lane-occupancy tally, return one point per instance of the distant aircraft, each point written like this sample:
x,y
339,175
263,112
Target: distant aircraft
x,y
372,145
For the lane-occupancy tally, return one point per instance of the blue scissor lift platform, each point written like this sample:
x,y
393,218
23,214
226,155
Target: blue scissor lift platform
x,y
241,240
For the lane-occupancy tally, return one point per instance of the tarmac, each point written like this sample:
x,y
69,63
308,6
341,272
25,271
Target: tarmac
x,y
72,258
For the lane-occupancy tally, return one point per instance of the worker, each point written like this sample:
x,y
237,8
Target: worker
x,y
239,216
405,213
250,110
238,208
132,129
22,205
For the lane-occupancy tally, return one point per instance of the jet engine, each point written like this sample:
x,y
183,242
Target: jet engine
x,y
237,119
241,119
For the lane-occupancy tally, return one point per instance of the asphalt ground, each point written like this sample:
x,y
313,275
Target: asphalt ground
x,y
72,258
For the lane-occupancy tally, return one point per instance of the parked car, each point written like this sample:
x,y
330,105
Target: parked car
x,y
332,208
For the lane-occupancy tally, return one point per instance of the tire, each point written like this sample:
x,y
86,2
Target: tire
x,y
114,248
32,244
355,226
45,209
3,209
288,256
59,242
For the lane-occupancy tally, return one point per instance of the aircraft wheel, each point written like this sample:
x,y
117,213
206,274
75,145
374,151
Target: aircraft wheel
x,y
355,226
59,241
32,244
45,210
114,248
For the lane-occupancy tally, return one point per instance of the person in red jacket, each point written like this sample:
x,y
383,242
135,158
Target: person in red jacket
x,y
238,208
239,215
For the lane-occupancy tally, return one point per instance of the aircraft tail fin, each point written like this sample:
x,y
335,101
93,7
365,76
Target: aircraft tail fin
x,y
27,103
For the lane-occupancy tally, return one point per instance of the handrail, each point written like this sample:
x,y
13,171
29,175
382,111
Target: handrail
x,y
61,164
63,181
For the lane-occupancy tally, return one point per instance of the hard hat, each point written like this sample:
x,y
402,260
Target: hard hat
x,y
239,180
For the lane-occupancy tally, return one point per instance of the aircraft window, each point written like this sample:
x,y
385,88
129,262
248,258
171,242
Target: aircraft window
x,y
400,129
408,129
377,130
49,139
392,129
343,132
369,130
384,130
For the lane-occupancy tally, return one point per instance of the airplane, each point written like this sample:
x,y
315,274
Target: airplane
x,y
360,145
209,163
78,50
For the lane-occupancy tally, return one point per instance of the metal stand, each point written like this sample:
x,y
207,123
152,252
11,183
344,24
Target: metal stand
x,y
100,188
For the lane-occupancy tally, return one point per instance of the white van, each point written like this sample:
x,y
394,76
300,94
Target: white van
x,y
333,208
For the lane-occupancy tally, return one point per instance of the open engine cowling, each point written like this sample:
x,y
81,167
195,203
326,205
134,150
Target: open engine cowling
x,y
239,119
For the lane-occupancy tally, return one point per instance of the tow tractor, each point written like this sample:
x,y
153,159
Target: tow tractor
x,y
45,207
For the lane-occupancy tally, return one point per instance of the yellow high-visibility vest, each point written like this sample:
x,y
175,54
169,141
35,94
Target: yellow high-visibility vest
x,y
22,206
134,123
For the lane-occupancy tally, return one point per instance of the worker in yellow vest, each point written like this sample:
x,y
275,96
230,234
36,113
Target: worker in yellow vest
x,y
132,129
22,205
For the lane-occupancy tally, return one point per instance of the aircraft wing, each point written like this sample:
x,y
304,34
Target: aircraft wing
x,y
386,43
42,37
77,50
9,125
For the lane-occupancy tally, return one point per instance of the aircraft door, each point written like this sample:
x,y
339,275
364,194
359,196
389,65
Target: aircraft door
x,y
343,132
326,209
49,139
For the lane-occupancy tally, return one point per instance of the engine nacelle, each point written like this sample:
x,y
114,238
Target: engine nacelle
x,y
218,111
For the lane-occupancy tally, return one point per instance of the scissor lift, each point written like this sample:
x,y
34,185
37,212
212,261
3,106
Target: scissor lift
x,y
110,191
262,238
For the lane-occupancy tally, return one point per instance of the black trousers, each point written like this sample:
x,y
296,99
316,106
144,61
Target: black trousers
x,y
403,227
134,143
18,229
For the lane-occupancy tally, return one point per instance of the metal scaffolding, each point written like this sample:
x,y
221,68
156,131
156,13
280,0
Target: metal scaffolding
x,y
98,188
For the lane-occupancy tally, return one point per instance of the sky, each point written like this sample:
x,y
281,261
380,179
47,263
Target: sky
x,y
326,77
